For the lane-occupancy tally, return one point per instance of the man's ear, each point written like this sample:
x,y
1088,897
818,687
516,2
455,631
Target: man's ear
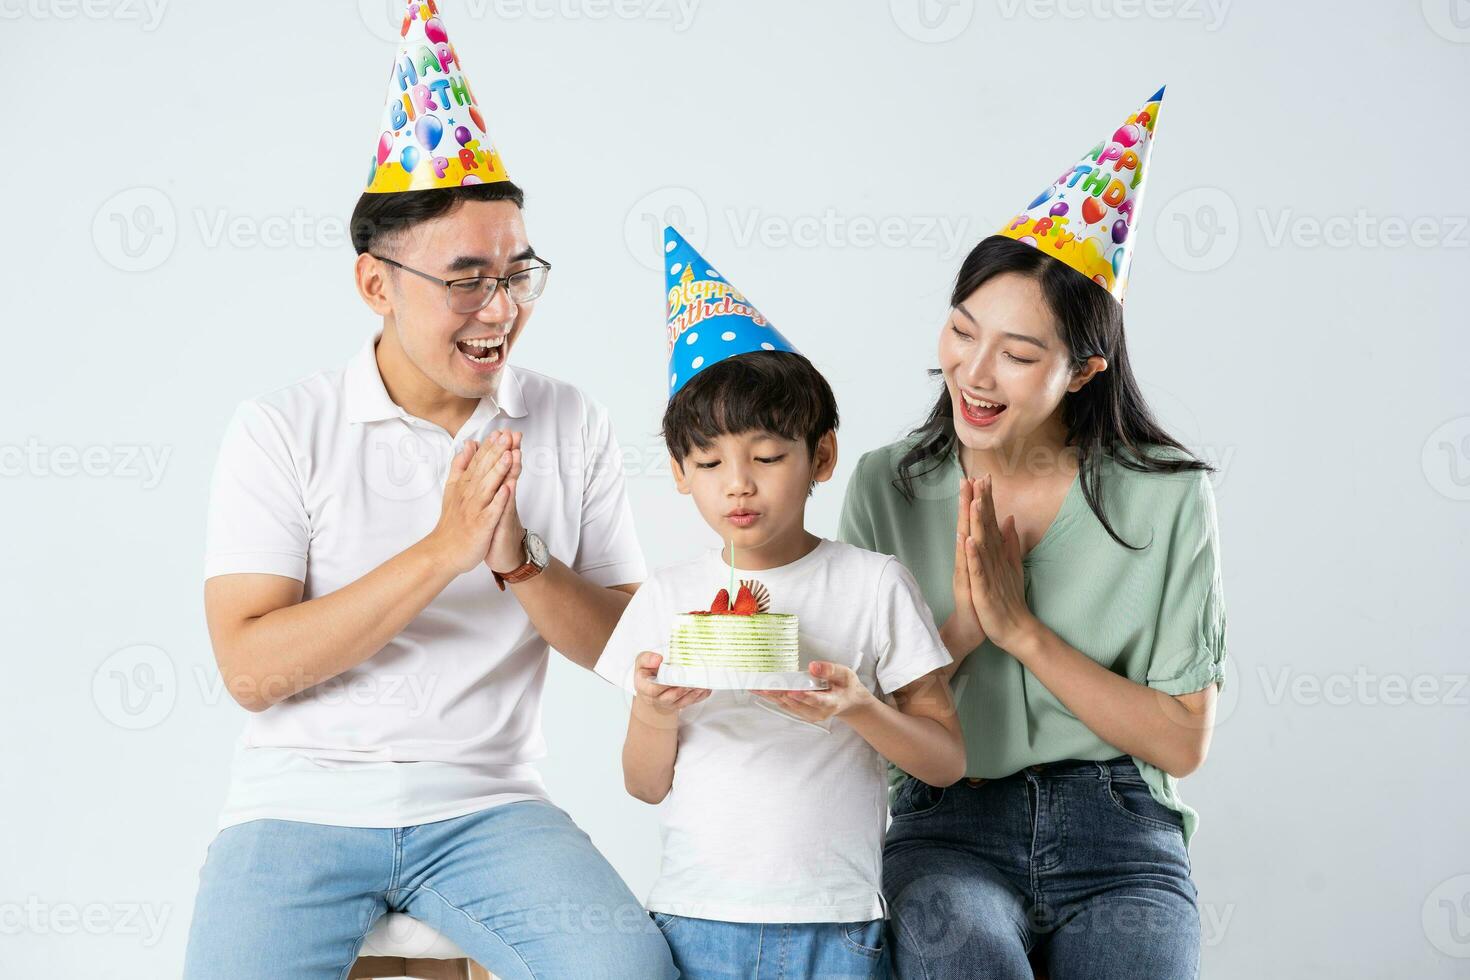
x,y
680,480
372,283
824,460
1095,365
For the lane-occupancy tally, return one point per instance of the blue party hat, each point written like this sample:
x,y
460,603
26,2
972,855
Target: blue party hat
x,y
709,319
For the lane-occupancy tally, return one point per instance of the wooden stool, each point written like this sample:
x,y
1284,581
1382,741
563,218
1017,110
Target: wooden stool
x,y
402,946
373,967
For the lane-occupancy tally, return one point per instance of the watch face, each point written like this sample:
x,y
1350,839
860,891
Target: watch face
x,y
536,549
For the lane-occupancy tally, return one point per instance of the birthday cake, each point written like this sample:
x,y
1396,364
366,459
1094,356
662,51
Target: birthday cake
x,y
745,636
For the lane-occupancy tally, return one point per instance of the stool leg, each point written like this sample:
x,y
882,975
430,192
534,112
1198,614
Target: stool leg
x,y
372,967
437,969
478,972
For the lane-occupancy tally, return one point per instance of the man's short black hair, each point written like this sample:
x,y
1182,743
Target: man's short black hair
x,y
379,219
764,391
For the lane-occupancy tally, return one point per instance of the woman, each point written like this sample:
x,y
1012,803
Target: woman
x,y
1086,624
1080,597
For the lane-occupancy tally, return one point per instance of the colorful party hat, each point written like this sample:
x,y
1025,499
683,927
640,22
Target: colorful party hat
x,y
432,134
1088,218
709,319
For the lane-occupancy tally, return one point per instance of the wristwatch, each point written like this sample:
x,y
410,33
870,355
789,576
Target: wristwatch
x,y
537,558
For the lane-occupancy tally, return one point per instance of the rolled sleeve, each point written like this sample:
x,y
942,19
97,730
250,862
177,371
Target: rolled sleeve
x,y
257,515
608,552
1189,647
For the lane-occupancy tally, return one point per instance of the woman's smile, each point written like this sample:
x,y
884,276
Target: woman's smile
x,y
980,412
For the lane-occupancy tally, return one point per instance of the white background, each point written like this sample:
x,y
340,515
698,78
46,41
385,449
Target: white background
x,y
176,183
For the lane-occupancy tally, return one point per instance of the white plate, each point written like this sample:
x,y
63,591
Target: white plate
x,y
716,679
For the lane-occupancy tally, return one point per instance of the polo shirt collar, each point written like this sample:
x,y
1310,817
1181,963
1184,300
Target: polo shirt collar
x,y
367,398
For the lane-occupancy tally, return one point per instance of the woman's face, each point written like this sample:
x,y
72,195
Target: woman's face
x,y
1004,363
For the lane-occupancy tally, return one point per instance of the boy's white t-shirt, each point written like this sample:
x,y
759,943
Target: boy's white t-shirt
x,y
771,818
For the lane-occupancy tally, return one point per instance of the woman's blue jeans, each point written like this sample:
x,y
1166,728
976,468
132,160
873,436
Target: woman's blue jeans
x,y
1072,861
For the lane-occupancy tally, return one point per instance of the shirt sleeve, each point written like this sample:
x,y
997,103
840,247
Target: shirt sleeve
x,y
607,552
907,641
257,518
855,526
1189,644
643,626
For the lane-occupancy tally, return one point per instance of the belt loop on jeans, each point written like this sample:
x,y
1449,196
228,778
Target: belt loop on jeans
x,y
1103,772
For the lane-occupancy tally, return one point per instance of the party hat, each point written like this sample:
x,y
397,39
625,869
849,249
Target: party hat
x,y
432,134
1088,218
709,319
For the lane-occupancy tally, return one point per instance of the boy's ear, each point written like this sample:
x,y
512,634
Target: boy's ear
x,y
680,480
824,460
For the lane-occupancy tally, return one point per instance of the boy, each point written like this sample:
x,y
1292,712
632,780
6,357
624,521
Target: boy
x,y
773,826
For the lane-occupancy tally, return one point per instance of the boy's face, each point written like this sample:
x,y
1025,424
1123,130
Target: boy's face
x,y
752,488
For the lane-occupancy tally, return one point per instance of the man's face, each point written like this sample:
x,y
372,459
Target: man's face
x,y
752,488
462,353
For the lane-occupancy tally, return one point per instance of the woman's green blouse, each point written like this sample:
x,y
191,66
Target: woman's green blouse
x,y
1155,616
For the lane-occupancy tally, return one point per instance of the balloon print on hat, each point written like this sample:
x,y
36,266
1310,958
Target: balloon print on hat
x,y
429,97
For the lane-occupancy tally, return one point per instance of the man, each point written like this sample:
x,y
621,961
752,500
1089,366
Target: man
x,y
381,598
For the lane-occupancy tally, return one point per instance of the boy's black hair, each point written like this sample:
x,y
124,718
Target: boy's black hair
x,y
780,392
378,219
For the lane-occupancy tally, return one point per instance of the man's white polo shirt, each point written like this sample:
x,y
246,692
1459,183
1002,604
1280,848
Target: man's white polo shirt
x,y
324,480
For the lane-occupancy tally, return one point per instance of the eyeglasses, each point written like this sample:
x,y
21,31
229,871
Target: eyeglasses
x,y
475,293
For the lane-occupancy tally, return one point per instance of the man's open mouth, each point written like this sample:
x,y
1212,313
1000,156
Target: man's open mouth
x,y
483,350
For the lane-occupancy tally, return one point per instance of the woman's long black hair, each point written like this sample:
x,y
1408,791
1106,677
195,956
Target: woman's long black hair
x,y
1106,418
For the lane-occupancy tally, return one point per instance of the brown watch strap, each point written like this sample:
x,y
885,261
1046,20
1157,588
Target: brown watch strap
x,y
527,571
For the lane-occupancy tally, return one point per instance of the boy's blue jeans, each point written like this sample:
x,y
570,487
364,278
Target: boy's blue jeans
x,y
519,887
705,949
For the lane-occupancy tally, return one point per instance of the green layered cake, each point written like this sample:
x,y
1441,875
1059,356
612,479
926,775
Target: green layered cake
x,y
743,637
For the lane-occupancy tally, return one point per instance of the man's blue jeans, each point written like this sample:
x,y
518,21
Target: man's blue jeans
x,y
519,887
